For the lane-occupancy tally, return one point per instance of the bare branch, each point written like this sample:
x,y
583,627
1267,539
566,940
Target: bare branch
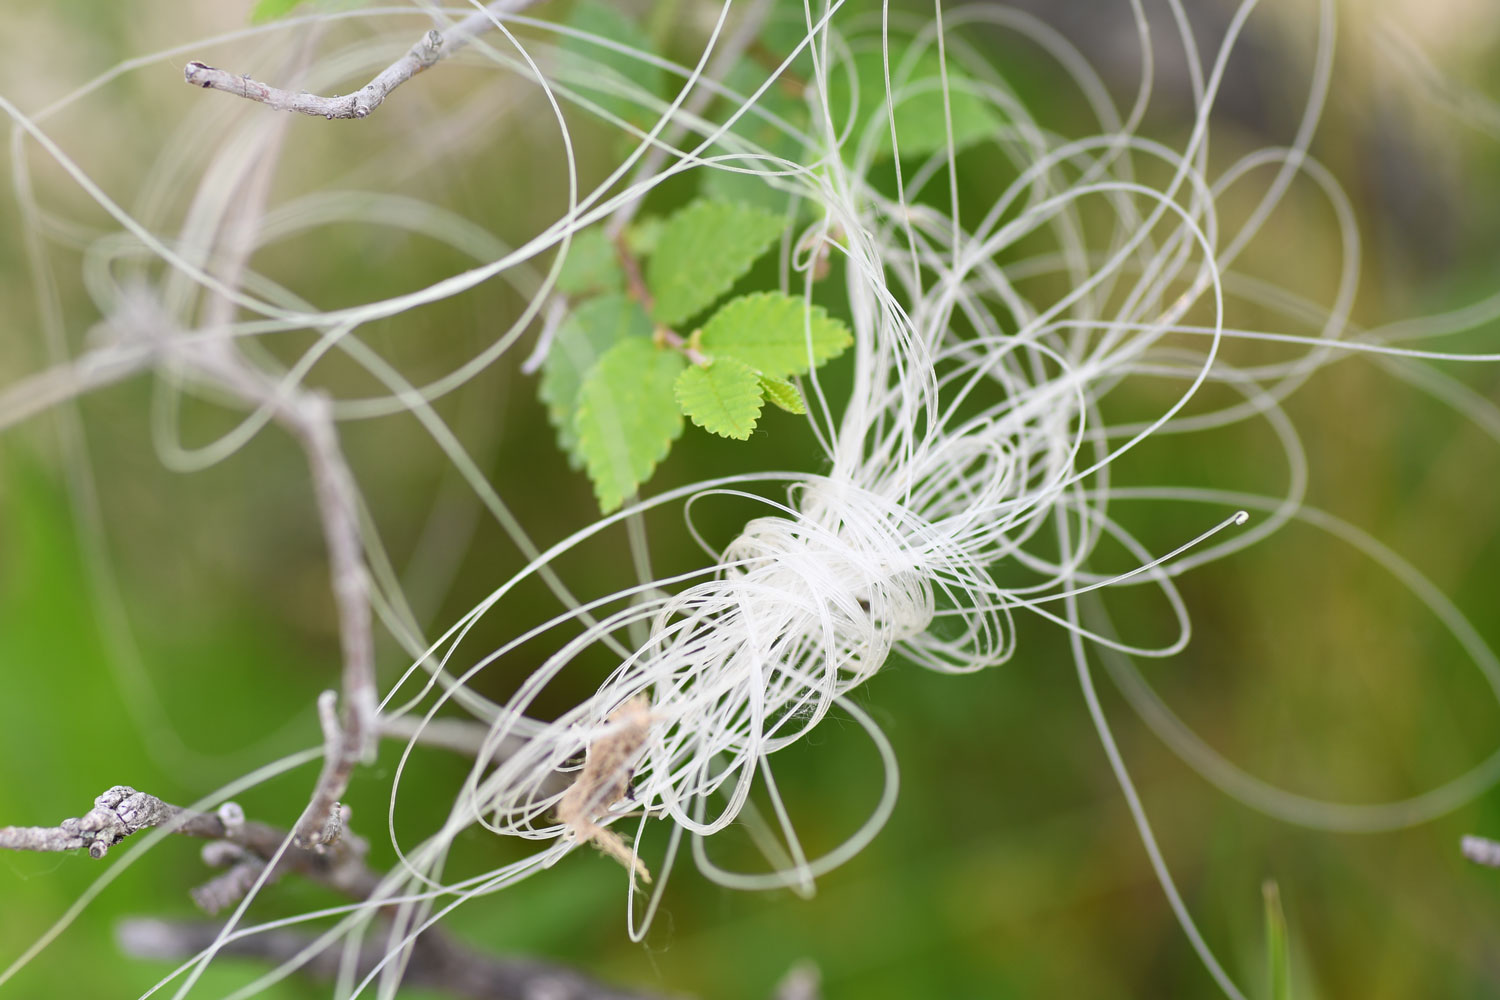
x,y
436,963
308,417
42,391
1482,851
244,849
428,50
123,811
117,814
224,891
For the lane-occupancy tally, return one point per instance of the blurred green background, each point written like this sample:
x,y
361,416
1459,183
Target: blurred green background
x,y
1010,868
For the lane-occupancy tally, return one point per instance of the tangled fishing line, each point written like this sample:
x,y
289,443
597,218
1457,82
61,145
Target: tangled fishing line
x,y
966,465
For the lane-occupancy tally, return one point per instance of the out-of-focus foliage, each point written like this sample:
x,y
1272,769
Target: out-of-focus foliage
x,y
1010,868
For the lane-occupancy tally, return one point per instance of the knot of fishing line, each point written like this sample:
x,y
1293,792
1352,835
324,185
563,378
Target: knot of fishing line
x,y
857,584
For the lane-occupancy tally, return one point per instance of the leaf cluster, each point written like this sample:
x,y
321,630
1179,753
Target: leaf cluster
x,y
619,379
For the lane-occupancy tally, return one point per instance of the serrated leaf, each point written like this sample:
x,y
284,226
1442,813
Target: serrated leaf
x,y
1277,960
921,127
723,398
703,250
761,137
615,74
592,265
627,417
593,328
782,393
775,334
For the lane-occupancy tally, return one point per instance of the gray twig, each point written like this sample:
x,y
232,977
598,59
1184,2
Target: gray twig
x,y
223,891
436,964
244,848
117,814
27,397
123,811
1482,851
308,417
429,49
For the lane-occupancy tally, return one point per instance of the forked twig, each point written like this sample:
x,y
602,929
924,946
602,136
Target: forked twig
x,y
122,811
431,48
245,848
308,417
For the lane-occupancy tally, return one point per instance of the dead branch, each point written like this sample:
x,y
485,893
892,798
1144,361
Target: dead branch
x,y
308,417
435,964
245,848
38,393
123,811
311,422
431,48
117,814
245,868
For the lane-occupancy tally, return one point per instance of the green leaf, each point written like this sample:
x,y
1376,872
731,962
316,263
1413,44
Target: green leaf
x,y
723,398
758,136
592,265
642,235
784,30
592,329
775,334
270,10
611,75
783,393
920,124
1277,959
703,250
746,189
627,417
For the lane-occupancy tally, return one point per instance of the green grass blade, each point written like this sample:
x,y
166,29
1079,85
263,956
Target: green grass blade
x,y
1277,959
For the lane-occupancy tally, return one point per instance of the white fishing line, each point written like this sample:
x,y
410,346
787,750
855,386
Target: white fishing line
x,y
975,441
